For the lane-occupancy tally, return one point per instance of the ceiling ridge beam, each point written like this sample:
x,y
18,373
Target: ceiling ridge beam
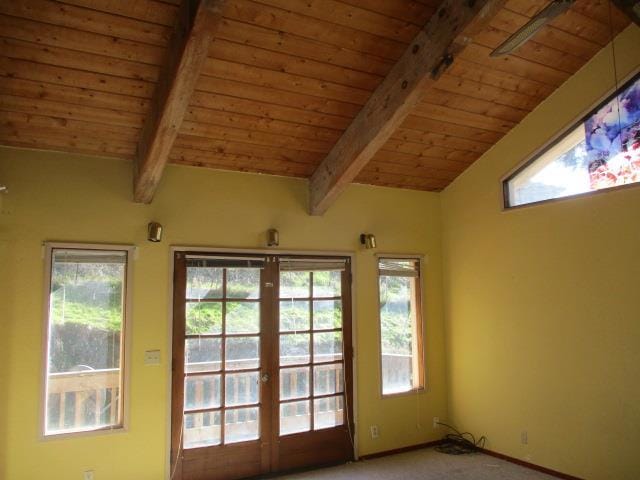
x,y
187,51
444,36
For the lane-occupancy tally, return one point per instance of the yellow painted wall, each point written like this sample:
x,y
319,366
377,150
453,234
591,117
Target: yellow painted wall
x,y
72,198
541,303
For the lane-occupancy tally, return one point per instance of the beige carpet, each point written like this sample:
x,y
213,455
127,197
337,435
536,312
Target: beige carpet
x,y
424,465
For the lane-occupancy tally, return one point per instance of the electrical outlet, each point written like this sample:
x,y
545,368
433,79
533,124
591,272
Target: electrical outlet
x,y
88,475
375,433
524,437
436,421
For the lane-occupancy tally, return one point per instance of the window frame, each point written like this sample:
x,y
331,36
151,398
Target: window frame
x,y
557,138
125,366
420,323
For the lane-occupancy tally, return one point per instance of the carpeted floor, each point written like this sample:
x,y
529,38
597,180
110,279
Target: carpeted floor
x,y
424,464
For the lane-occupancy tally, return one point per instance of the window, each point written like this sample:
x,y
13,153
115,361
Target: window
x,y
86,318
601,151
400,325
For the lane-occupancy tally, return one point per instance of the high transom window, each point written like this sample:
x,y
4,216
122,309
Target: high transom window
x,y
602,151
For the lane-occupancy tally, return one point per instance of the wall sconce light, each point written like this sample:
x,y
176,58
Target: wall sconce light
x,y
154,232
4,189
273,238
368,240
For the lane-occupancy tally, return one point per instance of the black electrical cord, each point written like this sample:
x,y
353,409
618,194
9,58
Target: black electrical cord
x,y
459,443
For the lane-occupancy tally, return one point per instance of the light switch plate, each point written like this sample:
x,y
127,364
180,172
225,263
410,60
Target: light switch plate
x,y
152,357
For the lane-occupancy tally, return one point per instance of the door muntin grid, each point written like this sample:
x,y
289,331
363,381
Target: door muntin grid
x,y
222,355
311,360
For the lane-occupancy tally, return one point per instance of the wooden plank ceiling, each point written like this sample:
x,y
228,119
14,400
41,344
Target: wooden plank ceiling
x,y
282,81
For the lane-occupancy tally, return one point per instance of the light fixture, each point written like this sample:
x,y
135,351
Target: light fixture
x,y
548,13
631,8
154,232
368,240
4,189
273,238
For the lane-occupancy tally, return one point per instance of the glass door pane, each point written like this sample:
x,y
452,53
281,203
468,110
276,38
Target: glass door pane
x,y
222,355
311,354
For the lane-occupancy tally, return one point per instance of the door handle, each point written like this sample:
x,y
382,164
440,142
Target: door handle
x,y
264,378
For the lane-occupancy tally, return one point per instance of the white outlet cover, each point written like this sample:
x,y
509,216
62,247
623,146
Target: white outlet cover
x,y
88,475
152,357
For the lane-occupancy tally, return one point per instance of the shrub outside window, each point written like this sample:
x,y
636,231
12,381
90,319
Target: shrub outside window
x,y
401,341
602,151
85,346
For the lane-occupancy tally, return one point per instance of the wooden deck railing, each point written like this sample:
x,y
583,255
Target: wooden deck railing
x,y
396,370
86,399
82,400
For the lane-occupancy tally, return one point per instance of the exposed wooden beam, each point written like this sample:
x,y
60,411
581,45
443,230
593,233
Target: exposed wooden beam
x,y
448,31
631,8
186,54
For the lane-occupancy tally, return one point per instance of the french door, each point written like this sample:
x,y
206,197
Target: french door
x,y
261,364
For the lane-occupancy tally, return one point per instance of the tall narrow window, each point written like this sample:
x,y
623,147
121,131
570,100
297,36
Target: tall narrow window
x,y
85,338
400,325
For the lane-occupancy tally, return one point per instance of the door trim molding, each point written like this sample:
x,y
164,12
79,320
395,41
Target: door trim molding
x,y
261,251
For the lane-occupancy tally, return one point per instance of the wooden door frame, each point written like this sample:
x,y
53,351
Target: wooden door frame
x,y
173,249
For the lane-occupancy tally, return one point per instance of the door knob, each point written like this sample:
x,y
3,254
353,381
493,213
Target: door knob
x,y
264,378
